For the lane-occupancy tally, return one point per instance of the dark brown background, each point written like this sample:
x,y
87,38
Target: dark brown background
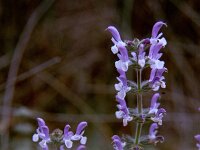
x,y
80,85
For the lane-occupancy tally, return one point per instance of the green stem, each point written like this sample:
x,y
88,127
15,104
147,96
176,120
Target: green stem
x,y
139,107
138,133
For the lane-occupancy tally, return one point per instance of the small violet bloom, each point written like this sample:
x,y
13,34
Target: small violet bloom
x,y
153,138
79,133
67,137
155,37
153,131
197,137
122,86
158,116
118,144
154,56
140,59
42,133
123,111
123,61
116,39
156,79
154,105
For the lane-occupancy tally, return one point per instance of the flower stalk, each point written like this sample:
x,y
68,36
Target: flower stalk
x,y
139,107
140,54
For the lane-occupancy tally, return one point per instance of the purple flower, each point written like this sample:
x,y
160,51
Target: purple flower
x,y
116,39
140,59
122,86
153,131
154,105
154,56
67,137
79,133
42,133
118,144
153,138
156,79
123,111
123,61
81,147
158,116
197,137
114,33
155,37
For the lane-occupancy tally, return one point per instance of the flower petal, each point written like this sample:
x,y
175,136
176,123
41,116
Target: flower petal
x,y
43,144
154,99
45,130
156,28
83,140
40,122
81,147
35,137
81,127
114,33
66,130
68,143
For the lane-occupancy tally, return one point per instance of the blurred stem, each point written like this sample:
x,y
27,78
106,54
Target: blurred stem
x,y
139,106
13,70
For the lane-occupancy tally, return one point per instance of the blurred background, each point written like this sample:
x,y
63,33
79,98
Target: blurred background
x,y
56,63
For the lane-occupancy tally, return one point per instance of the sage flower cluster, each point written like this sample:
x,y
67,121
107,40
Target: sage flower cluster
x,y
141,56
58,138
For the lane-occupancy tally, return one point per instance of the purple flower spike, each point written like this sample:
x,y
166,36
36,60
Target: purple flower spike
x,y
79,133
118,144
154,105
197,137
156,28
114,33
